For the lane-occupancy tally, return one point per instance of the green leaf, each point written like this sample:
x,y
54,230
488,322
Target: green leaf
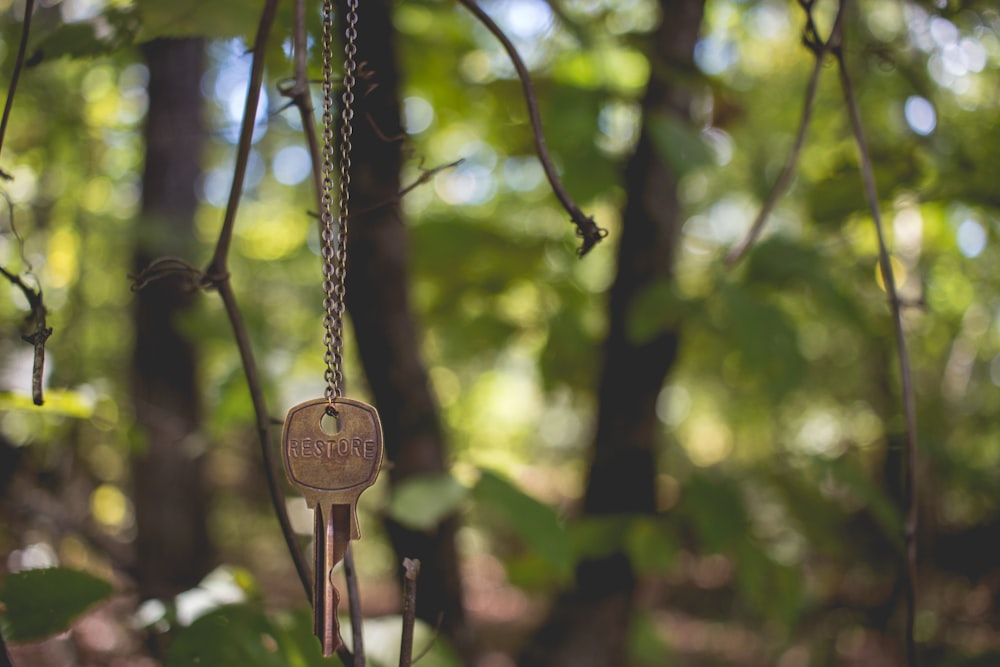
x,y
786,264
765,340
192,18
716,510
234,635
115,29
656,308
650,545
681,145
43,602
773,590
423,502
598,536
646,646
534,522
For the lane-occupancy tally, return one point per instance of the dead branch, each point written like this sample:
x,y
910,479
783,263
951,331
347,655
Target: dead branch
x,y
411,569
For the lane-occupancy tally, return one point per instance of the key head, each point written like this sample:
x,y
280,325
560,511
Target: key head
x,y
332,468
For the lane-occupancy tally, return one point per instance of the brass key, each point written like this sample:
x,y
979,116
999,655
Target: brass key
x,y
331,467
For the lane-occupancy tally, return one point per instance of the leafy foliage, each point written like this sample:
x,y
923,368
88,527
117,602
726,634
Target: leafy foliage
x,y
43,602
779,425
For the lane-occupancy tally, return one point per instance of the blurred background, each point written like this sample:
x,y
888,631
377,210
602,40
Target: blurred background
x,y
638,457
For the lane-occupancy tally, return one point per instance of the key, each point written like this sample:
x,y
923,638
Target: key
x,y
331,467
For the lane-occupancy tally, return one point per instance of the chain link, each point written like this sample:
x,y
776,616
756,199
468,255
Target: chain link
x,y
334,236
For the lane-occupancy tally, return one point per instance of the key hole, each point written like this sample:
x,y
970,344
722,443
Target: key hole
x,y
330,422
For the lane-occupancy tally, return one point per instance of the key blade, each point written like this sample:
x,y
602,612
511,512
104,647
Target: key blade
x,y
326,598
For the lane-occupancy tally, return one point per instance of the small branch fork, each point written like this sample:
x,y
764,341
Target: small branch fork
x,y
820,49
834,46
588,231
37,330
216,276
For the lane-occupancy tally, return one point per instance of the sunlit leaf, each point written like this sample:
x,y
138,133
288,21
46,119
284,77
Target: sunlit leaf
x,y
423,502
39,603
64,402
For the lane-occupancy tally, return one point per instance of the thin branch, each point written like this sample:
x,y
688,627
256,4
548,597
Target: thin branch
x,y
228,297
411,569
29,8
217,266
354,607
218,273
586,228
37,330
425,176
820,50
909,399
298,95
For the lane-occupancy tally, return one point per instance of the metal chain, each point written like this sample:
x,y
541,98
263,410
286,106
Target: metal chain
x,y
334,237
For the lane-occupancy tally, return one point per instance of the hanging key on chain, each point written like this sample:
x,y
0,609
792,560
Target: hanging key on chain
x,y
332,446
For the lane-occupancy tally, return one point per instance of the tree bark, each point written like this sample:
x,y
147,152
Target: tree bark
x,y
384,324
589,624
173,551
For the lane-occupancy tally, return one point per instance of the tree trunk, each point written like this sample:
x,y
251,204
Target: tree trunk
x,y
378,302
589,625
172,546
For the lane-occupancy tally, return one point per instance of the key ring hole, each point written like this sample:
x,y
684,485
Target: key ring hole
x,y
330,421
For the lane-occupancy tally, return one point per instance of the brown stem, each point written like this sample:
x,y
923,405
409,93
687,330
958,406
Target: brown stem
x,y
411,568
298,94
29,8
218,275
217,267
781,186
909,400
354,606
586,228
225,290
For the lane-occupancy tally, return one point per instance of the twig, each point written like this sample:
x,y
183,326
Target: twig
x,y
29,8
164,267
37,334
228,297
218,264
298,95
425,176
909,400
820,49
411,569
354,606
586,228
